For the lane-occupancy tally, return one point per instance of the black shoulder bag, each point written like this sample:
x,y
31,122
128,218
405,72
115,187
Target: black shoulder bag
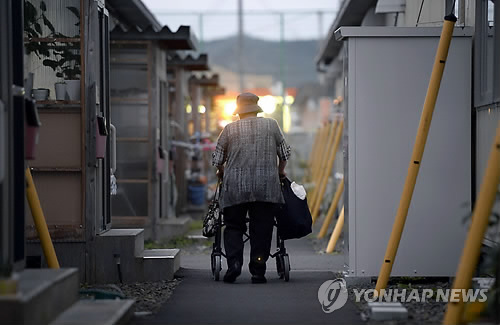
x,y
294,219
213,215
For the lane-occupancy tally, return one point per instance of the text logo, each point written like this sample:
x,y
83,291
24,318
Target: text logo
x,y
332,295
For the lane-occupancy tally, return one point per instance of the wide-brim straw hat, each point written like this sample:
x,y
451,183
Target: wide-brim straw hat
x,y
247,103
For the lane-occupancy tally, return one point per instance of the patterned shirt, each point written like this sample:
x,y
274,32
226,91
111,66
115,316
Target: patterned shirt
x,y
249,148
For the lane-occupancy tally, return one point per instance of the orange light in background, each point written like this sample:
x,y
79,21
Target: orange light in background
x,y
287,119
225,106
223,123
268,104
229,108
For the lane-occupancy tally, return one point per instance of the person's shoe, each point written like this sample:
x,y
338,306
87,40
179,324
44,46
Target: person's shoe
x,y
259,279
232,273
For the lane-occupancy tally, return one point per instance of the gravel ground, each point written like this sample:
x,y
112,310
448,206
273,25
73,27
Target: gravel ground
x,y
198,247
319,245
148,296
428,312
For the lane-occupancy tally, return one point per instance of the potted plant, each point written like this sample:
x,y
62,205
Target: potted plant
x,y
61,90
40,94
64,59
33,20
67,66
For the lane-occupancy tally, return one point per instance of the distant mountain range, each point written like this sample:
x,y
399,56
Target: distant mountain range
x,y
262,57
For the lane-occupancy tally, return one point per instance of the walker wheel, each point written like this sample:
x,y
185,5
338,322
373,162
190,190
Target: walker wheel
x,y
279,266
286,267
216,267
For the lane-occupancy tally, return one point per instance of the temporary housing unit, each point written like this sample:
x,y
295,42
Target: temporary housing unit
x,y
387,71
73,166
76,156
139,99
211,115
180,68
203,90
43,295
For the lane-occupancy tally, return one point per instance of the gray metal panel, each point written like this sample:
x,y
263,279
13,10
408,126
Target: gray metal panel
x,y
345,141
345,32
388,79
487,118
390,6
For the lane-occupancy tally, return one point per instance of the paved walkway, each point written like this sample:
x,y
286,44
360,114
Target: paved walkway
x,y
200,300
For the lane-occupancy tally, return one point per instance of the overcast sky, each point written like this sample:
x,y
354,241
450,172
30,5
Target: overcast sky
x,y
301,23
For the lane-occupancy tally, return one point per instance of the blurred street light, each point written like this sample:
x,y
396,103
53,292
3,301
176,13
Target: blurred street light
x,y
268,104
229,108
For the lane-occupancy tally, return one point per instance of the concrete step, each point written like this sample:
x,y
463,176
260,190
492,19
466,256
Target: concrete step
x,y
43,295
125,237
104,312
116,250
120,256
386,311
158,264
172,227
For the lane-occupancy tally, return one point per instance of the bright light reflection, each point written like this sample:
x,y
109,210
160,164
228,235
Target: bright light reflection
x,y
189,109
202,109
268,104
229,108
223,123
287,119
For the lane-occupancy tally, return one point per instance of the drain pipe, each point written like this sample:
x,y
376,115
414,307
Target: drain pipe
x,y
116,257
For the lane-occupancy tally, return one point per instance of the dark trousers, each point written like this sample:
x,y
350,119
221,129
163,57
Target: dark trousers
x,y
261,234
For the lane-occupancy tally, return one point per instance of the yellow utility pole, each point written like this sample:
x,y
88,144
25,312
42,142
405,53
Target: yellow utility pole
x,y
479,224
331,210
336,233
418,151
324,180
321,153
311,157
315,157
40,224
326,154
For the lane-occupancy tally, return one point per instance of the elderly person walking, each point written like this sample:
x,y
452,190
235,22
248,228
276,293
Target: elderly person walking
x,y
246,157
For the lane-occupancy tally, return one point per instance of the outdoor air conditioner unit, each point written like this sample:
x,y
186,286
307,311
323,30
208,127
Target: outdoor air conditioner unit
x,y
387,70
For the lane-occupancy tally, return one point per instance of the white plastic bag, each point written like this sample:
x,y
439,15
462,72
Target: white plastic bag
x,y
298,190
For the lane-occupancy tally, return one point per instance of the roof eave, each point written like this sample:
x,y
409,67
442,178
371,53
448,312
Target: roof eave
x,y
189,62
135,13
182,39
350,14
